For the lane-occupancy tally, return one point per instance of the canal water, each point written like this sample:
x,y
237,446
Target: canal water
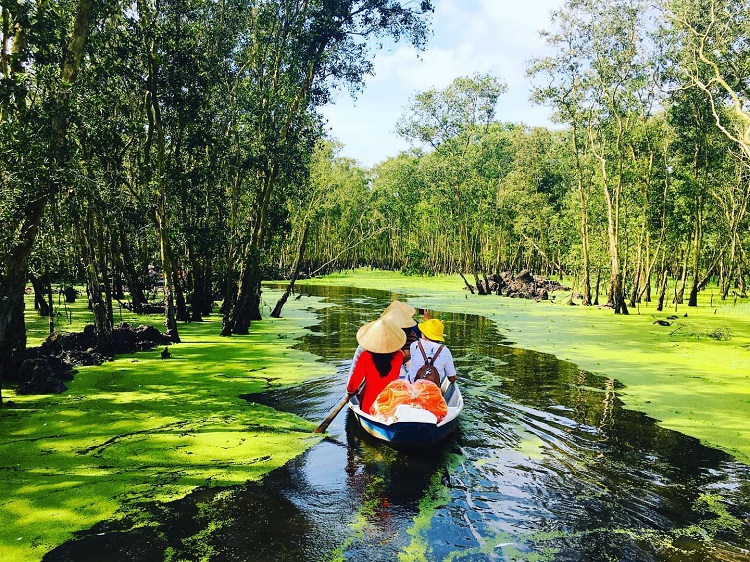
x,y
546,465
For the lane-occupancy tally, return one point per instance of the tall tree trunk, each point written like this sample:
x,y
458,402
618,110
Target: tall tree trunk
x,y
181,311
124,262
202,298
48,285
586,282
636,280
105,272
649,265
598,285
679,289
616,296
102,319
583,199
153,108
12,326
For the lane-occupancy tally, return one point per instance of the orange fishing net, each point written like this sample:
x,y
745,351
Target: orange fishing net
x,y
421,394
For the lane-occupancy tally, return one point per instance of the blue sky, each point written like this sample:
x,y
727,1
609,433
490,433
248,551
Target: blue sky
x,y
470,36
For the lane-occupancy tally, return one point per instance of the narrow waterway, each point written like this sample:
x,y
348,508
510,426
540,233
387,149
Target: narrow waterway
x,y
546,465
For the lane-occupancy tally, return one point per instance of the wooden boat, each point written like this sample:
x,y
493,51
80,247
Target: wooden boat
x,y
416,427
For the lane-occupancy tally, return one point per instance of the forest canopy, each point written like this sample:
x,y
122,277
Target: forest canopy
x,y
177,144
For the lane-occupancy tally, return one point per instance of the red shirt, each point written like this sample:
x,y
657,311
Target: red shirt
x,y
374,384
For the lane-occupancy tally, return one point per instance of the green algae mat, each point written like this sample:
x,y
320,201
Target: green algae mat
x,y
693,376
141,429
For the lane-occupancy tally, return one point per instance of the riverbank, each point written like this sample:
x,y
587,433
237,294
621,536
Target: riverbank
x,y
681,374
140,429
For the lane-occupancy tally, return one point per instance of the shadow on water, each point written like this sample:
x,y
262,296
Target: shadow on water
x,y
546,465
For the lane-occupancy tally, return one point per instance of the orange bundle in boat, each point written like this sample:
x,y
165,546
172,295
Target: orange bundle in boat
x,y
428,396
396,393
421,394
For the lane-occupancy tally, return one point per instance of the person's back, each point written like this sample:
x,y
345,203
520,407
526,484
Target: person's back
x,y
431,341
376,370
398,313
380,361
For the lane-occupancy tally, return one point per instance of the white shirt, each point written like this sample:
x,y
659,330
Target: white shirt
x,y
444,361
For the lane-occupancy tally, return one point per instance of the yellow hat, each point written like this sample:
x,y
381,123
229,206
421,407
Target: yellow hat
x,y
381,336
432,329
402,306
399,316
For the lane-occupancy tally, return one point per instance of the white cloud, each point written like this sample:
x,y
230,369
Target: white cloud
x,y
470,36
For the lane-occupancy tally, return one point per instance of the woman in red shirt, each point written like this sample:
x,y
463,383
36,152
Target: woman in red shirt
x,y
380,362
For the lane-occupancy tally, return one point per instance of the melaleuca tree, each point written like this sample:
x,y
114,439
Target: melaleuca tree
x,y
453,121
36,96
601,81
710,51
293,52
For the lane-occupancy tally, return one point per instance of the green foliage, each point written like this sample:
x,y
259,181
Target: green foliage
x,y
416,262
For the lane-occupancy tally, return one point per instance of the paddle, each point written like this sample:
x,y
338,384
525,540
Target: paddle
x,y
335,412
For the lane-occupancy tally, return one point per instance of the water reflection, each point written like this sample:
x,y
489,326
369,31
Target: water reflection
x,y
546,465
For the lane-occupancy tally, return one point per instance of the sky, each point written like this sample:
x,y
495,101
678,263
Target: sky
x,y
498,37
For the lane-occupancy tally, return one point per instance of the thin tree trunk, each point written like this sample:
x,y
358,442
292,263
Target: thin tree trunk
x,y
40,303
161,211
295,273
468,285
639,269
48,284
679,294
616,297
102,319
662,290
123,261
697,243
598,284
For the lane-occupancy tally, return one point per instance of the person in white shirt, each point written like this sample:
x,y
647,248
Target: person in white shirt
x,y
432,337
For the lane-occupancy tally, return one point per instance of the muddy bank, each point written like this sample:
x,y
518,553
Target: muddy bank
x,y
525,285
49,366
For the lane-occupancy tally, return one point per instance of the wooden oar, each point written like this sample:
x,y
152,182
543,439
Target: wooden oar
x,y
335,412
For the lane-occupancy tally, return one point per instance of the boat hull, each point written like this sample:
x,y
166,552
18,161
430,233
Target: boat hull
x,y
407,433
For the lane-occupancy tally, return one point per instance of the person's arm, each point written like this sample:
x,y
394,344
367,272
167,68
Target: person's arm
x,y
450,368
357,353
356,378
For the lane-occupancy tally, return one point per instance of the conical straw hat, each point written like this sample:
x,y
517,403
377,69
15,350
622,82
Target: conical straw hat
x,y
381,336
399,317
402,306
